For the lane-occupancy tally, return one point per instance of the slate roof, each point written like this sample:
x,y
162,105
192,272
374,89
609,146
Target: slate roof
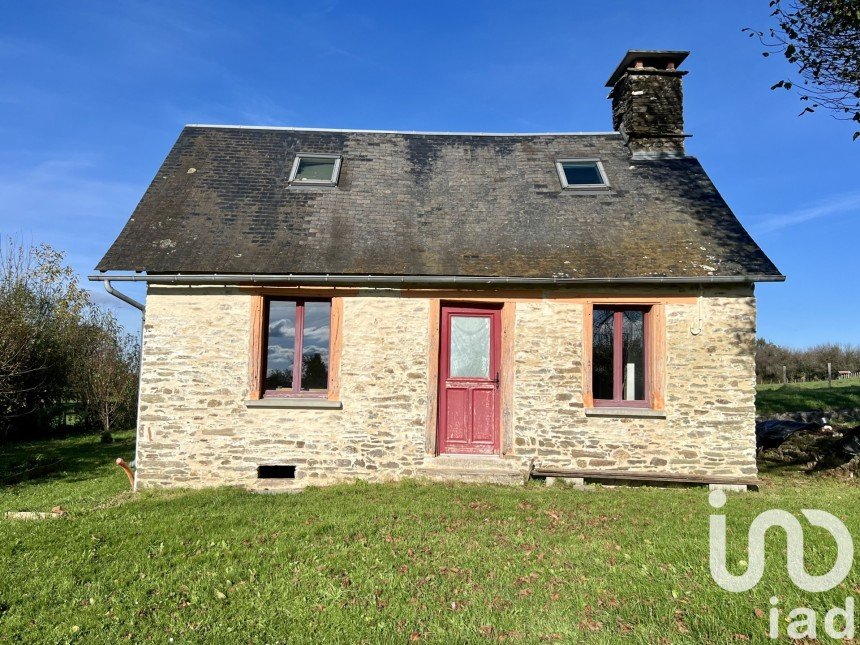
x,y
429,204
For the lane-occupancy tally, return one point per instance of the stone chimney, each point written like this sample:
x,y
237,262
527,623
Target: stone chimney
x,y
647,103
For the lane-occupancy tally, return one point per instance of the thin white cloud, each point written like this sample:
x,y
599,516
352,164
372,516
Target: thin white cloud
x,y
63,201
59,189
103,299
279,357
835,205
316,334
282,328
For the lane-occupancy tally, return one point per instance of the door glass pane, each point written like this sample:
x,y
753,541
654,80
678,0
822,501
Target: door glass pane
x,y
282,341
601,358
470,347
633,356
315,346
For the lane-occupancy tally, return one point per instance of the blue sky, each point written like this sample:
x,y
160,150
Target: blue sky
x,y
92,96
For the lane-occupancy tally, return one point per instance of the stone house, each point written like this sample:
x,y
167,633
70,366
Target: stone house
x,y
332,305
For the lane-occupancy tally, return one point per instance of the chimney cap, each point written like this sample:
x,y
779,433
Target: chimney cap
x,y
658,58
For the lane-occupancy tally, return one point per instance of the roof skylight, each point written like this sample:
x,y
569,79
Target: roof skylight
x,y
315,169
582,174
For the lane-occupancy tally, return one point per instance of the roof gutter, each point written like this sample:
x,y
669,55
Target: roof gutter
x,y
388,280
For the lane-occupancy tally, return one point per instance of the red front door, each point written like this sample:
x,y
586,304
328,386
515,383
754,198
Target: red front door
x,y
470,344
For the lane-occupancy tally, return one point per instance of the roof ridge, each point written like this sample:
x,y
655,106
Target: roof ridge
x,y
464,134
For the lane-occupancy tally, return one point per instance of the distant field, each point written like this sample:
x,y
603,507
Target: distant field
x,y
800,397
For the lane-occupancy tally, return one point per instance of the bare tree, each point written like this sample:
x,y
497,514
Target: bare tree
x,y
803,364
40,306
106,370
58,348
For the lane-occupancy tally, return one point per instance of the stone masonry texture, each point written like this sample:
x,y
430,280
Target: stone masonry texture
x,y
709,427
647,105
195,430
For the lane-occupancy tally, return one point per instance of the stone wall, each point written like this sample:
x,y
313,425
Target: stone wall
x,y
710,394
195,429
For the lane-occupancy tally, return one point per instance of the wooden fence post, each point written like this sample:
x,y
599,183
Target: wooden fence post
x,y
829,376
784,375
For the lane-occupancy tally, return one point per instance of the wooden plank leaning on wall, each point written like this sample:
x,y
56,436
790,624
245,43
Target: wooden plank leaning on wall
x,y
255,352
335,348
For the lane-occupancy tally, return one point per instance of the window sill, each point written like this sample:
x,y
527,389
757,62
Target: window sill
x,y
321,184
590,190
295,404
625,412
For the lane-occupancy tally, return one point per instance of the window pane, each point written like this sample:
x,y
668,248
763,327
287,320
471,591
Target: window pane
x,y
470,347
601,356
282,342
315,169
315,346
582,173
633,356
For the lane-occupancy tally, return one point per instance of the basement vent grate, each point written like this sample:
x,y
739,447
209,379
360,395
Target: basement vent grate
x,y
276,472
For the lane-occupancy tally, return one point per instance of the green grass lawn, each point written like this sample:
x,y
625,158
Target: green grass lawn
x,y
800,397
388,563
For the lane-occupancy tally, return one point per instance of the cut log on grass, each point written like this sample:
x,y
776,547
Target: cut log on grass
x,y
35,515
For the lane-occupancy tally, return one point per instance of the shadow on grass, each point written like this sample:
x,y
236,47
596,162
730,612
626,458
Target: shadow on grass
x,y
789,398
766,467
82,456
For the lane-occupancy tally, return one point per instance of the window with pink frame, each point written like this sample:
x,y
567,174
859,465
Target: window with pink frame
x,y
619,375
297,337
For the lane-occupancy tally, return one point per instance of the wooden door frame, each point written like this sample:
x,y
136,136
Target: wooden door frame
x,y
446,309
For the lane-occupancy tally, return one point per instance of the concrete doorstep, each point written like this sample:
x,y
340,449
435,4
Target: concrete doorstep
x,y
475,468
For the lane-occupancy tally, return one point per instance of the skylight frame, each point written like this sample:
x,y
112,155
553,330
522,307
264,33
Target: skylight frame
x,y
335,174
559,166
